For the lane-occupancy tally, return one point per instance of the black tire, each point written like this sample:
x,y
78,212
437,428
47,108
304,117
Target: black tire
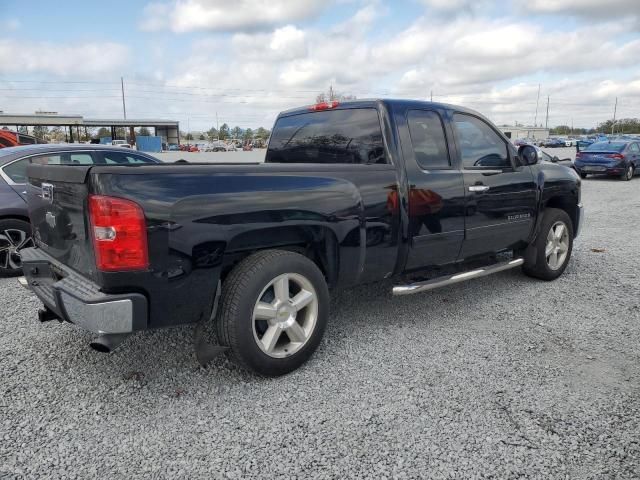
x,y
537,265
240,293
11,231
628,173
583,175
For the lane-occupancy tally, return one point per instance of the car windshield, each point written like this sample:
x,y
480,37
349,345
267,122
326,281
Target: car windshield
x,y
606,147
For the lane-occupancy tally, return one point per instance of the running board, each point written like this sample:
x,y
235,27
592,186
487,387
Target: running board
x,y
457,278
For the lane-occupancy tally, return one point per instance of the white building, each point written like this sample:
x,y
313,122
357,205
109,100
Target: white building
x,y
522,131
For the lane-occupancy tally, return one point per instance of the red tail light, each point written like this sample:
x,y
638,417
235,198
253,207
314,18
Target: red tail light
x,y
119,234
617,156
324,106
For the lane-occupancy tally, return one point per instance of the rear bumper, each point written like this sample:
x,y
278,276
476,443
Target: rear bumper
x,y
78,300
600,169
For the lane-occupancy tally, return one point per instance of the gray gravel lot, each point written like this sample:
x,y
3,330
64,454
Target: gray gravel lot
x,y
505,377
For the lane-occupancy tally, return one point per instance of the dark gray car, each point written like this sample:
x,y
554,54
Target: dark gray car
x,y
15,230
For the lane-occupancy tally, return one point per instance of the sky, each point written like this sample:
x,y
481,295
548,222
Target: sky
x,y
247,60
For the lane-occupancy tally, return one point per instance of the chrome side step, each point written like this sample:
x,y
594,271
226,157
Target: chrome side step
x,y
457,278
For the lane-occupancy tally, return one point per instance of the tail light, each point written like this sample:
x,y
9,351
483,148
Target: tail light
x,y
578,154
324,106
617,156
119,234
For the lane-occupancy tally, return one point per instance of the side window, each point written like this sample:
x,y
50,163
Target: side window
x,y
80,159
428,139
121,158
634,148
350,135
17,171
47,159
480,145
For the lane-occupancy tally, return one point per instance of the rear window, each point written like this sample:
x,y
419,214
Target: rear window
x,y
606,147
26,140
336,136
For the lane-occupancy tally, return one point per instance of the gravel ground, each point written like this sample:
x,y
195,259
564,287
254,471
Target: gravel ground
x,y
505,377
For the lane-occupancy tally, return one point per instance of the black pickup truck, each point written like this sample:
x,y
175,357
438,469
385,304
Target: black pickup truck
x,y
348,193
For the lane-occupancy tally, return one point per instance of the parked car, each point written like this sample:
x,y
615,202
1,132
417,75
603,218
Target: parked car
x,y
174,147
15,230
618,158
257,247
553,143
120,143
247,147
217,146
9,138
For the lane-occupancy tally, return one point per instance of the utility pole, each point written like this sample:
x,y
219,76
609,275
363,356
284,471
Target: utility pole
x,y
124,108
615,110
432,95
217,126
546,122
535,119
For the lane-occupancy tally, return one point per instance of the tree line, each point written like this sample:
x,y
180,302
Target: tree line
x,y
227,133
622,126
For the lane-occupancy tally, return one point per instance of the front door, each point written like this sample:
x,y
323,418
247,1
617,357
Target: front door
x,y
501,199
436,192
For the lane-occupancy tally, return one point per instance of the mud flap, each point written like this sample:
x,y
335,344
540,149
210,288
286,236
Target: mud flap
x,y
206,351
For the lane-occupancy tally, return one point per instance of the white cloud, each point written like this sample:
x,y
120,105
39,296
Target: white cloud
x,y
219,15
286,43
584,7
85,59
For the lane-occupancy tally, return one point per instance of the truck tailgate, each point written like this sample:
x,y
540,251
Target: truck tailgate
x,y
57,199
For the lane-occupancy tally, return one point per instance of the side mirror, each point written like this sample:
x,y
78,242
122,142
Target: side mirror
x,y
555,159
528,155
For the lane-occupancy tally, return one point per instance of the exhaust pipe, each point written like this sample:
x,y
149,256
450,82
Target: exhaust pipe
x,y
108,342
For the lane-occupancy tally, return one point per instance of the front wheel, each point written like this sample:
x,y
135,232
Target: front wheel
x,y
553,245
274,311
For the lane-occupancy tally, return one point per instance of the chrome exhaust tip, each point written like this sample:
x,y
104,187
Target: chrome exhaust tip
x,y
108,342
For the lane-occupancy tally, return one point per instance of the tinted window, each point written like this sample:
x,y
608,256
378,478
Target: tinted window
x,y
606,147
123,158
480,145
17,171
338,136
26,140
428,140
634,148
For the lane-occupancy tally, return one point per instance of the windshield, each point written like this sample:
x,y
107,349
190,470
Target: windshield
x,y
606,147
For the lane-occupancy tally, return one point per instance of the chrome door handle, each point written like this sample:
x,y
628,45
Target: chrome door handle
x,y
478,188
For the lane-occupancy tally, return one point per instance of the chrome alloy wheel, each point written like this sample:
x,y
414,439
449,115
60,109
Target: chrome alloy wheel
x,y
285,315
629,173
557,245
11,242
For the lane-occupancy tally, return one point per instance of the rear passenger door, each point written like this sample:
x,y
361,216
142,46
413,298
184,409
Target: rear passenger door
x,y
501,198
436,192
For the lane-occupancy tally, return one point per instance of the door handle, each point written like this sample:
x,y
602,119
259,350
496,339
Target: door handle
x,y
478,188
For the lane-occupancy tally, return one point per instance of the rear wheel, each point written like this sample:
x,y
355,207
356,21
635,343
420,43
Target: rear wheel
x,y
583,175
14,236
628,173
553,244
274,311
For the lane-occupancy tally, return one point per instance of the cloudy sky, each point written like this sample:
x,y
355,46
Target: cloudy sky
x,y
249,59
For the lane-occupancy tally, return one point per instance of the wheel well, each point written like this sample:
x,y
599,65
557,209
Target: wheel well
x,y
15,217
317,243
568,205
